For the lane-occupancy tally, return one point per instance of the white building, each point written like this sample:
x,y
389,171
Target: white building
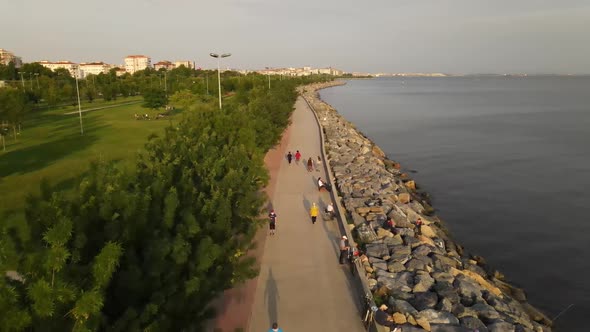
x,y
73,68
135,63
7,57
163,64
187,64
94,68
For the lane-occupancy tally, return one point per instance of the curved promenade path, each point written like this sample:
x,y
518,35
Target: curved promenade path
x,y
301,284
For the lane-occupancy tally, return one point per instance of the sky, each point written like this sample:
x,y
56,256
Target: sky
x,y
448,36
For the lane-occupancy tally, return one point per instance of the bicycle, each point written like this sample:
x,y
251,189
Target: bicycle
x,y
368,312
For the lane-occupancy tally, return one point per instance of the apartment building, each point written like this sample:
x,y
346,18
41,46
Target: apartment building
x,y
164,64
73,68
187,64
135,63
94,68
7,57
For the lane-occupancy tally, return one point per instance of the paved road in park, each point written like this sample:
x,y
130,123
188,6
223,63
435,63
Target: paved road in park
x,y
301,284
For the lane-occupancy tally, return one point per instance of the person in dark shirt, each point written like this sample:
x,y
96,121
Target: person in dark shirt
x,y
382,318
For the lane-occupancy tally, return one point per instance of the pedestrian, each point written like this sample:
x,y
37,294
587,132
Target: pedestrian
x,y
272,225
275,328
344,246
318,164
297,156
289,157
313,212
309,165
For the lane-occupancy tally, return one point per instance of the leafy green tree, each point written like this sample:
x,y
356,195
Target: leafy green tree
x,y
13,106
154,98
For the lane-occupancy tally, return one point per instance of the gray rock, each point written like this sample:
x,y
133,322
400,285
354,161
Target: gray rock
x,y
395,267
473,323
448,328
443,262
422,282
391,284
395,240
439,317
382,265
440,276
501,326
402,306
365,234
415,265
372,283
422,250
424,300
405,231
476,269
485,312
399,294
377,250
357,219
411,328
400,249
466,288
411,241
444,305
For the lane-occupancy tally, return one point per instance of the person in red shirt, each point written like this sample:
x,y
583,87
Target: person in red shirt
x,y
297,156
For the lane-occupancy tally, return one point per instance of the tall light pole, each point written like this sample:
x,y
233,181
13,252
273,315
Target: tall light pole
x,y
79,106
268,80
218,57
207,75
22,79
166,83
37,77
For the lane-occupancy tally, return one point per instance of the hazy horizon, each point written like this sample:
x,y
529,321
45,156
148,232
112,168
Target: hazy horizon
x,y
447,36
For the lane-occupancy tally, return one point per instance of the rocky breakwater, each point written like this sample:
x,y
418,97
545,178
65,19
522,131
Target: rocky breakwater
x,y
428,281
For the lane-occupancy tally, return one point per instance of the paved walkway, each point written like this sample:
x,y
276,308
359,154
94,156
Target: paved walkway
x,y
301,284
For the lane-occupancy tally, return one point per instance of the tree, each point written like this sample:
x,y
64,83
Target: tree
x,y
154,98
13,107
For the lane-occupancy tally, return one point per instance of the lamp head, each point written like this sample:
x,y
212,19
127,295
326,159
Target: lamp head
x,y
225,55
214,55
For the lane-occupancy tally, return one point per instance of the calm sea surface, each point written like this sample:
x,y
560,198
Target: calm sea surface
x,y
507,162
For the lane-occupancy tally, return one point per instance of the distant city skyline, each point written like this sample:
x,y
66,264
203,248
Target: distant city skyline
x,y
446,36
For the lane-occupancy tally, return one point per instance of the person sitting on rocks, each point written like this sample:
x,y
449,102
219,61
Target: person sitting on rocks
x,y
389,225
321,184
382,318
330,211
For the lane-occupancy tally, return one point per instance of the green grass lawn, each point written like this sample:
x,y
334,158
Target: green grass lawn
x,y
50,146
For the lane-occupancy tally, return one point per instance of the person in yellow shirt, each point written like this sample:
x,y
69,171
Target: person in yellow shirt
x,y
313,212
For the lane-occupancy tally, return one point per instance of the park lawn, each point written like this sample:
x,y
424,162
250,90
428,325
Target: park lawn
x,y
84,104
50,146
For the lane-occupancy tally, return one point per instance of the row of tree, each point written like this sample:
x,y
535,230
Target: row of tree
x,y
149,249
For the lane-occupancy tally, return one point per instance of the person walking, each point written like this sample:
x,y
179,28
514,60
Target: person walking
x,y
289,157
275,328
309,165
297,156
318,164
313,212
344,246
272,225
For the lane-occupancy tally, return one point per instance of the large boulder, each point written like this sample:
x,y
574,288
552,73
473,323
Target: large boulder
x,y
422,282
378,250
365,233
501,326
424,300
473,324
428,231
448,328
485,313
402,306
439,317
393,240
466,288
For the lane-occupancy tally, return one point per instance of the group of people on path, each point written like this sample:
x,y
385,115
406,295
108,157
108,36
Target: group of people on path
x,y
311,164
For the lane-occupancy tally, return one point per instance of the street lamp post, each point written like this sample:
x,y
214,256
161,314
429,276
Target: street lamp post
x,y
22,79
37,77
207,76
269,80
218,57
79,106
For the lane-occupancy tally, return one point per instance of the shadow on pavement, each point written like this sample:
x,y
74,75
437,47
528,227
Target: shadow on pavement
x,y
271,297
